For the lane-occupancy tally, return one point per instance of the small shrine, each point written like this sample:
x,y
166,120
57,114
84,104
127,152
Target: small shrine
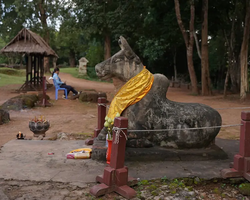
x,y
33,48
83,66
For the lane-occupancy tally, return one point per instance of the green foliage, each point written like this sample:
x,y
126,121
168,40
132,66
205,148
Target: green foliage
x,y
3,59
11,21
94,54
91,72
152,187
153,49
216,191
244,188
143,182
77,28
164,179
70,40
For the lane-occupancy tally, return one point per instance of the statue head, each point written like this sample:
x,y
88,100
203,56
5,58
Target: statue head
x,y
123,65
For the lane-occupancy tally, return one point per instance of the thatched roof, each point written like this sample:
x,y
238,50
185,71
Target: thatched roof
x,y
28,42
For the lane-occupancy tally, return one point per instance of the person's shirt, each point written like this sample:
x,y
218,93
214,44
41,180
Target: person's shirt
x,y
57,80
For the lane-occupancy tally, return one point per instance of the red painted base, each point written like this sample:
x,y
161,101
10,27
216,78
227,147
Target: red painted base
x,y
114,180
230,173
240,168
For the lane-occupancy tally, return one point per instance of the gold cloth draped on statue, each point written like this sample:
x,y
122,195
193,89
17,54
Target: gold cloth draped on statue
x,y
132,92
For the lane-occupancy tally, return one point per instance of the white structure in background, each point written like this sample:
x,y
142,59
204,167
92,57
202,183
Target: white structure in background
x,y
83,66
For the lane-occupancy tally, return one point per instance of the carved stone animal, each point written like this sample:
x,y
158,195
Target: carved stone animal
x,y
155,111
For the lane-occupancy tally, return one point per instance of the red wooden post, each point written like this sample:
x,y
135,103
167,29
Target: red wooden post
x,y
115,177
44,102
100,119
101,115
241,165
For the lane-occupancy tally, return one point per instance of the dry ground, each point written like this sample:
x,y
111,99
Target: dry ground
x,y
72,116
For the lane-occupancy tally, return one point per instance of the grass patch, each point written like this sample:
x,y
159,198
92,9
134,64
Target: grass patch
x,y
74,72
13,72
11,76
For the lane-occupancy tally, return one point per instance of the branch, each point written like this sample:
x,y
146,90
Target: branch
x,y
191,23
180,23
197,45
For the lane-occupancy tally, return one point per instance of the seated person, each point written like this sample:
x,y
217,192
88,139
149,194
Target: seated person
x,y
58,82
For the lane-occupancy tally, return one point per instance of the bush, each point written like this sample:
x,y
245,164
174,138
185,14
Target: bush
x,y
12,72
244,188
91,72
94,54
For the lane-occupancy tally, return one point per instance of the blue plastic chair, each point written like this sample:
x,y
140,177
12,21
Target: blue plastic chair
x,y
58,88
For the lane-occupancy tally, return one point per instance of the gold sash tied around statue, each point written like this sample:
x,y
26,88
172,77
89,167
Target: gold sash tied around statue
x,y
130,93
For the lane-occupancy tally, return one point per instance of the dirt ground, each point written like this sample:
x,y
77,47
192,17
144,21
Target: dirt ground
x,y
72,116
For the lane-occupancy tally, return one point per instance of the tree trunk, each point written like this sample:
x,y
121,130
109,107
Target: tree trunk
x,y
205,75
189,42
54,62
72,61
43,18
46,65
226,83
244,54
197,45
233,57
107,47
175,69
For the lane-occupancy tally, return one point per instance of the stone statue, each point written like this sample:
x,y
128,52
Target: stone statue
x,y
155,112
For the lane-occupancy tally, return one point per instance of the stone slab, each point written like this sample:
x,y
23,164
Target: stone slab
x,y
29,160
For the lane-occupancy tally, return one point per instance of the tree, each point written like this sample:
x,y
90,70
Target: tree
x,y
10,22
93,16
244,54
70,39
232,30
205,75
41,16
189,42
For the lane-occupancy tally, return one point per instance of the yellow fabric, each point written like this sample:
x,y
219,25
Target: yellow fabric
x,y
132,92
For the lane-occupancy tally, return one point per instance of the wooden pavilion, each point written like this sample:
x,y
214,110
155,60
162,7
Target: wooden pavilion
x,y
34,49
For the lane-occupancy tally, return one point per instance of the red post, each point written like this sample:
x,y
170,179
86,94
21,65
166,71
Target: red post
x,y
115,177
101,115
44,102
100,119
241,163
